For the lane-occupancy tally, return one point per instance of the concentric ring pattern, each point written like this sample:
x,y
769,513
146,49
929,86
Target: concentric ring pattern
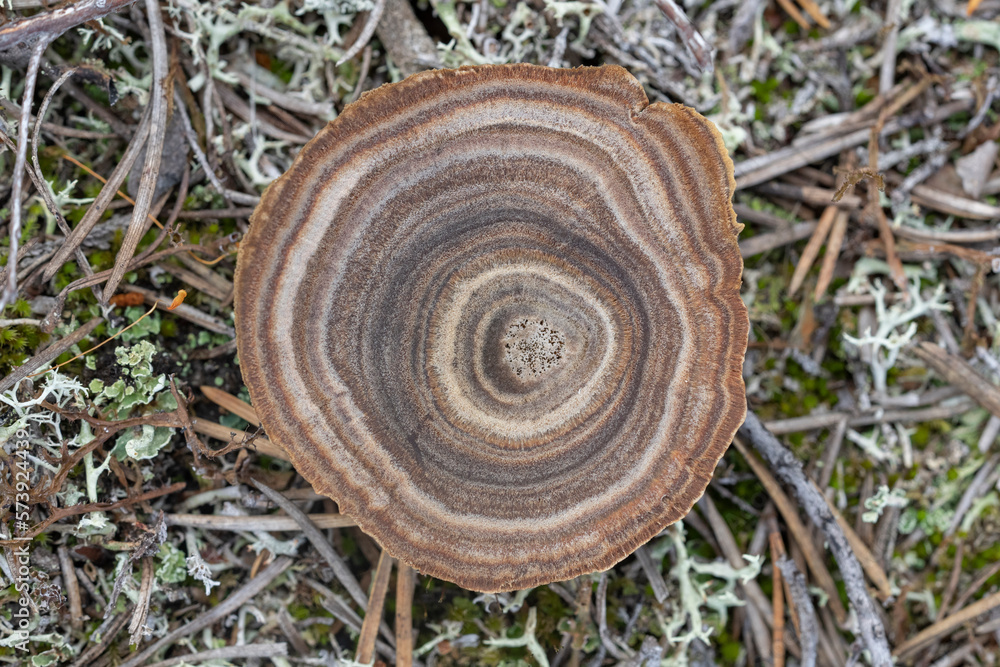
x,y
494,313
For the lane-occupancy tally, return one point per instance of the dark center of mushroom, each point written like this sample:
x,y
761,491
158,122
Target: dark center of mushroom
x,y
531,348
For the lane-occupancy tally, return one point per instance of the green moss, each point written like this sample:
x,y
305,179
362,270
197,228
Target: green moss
x,y
764,90
18,342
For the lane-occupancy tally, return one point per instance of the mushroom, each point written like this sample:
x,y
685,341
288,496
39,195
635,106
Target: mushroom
x,y
494,313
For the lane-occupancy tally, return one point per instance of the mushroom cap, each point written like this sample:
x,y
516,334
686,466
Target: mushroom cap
x,y
494,313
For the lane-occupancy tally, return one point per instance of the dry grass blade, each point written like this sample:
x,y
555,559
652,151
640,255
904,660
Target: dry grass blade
x,y
778,603
815,12
231,403
100,204
960,373
154,148
366,33
227,606
789,469
794,13
406,580
798,530
373,615
811,251
336,563
889,241
833,247
266,523
946,625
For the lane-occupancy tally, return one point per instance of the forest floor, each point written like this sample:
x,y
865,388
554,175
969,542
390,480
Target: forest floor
x,y
865,139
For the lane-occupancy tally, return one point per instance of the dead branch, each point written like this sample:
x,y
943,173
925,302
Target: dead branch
x,y
787,468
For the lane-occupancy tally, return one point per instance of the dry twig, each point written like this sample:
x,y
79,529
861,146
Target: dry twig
x,y
789,470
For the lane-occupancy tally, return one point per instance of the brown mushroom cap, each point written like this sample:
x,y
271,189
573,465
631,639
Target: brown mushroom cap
x,y
494,313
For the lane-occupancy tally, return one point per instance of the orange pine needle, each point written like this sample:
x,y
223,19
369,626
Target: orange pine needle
x,y
178,300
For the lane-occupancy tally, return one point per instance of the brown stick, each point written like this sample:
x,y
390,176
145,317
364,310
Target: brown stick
x,y
231,403
100,205
815,12
946,625
336,563
154,149
405,581
373,615
225,434
794,12
771,240
778,602
692,39
889,241
775,163
267,523
960,373
868,561
366,33
789,469
833,245
812,248
51,24
406,39
72,587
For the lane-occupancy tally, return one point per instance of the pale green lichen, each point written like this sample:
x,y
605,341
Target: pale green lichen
x,y
887,340
528,640
585,12
883,498
716,591
137,386
172,568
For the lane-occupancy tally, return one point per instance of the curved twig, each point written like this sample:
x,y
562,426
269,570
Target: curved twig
x,y
366,33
